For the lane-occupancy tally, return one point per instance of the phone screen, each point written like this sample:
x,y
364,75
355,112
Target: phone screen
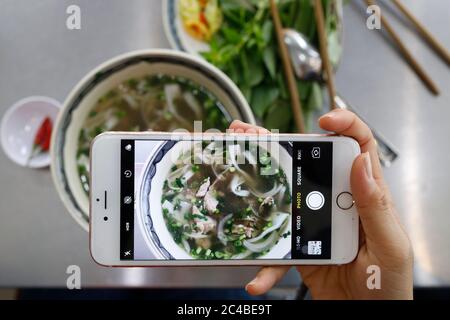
x,y
229,199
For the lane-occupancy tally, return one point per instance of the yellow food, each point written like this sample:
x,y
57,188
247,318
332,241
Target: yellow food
x,y
201,18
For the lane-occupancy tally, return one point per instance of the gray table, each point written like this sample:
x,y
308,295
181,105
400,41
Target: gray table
x,y
38,55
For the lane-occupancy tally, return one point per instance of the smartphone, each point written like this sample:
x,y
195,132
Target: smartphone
x,y
172,199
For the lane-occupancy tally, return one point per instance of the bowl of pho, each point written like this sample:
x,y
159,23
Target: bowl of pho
x,y
159,90
208,201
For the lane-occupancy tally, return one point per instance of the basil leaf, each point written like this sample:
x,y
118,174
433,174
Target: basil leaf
x,y
262,97
279,117
269,60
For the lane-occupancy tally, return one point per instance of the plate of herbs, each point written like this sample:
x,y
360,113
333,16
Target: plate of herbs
x,y
238,37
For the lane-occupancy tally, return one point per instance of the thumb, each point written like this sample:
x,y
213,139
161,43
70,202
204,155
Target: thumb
x,y
372,202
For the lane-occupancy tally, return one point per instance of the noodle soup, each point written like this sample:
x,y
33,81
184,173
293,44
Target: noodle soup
x,y
157,102
224,209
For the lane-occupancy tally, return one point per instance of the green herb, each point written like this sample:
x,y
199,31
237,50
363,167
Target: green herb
x,y
92,114
132,83
286,234
178,183
120,114
245,48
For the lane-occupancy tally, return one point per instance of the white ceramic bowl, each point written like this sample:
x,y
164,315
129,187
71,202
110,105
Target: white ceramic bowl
x,y
104,78
150,216
20,125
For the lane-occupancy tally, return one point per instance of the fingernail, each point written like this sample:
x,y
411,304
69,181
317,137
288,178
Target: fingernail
x,y
251,283
368,165
330,115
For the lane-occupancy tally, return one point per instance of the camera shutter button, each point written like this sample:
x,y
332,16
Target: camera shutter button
x,y
315,200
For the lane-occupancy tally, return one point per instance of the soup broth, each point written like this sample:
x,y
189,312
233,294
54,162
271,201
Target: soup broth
x,y
220,209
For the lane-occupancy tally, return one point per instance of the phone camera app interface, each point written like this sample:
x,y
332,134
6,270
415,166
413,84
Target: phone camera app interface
x,y
311,207
223,200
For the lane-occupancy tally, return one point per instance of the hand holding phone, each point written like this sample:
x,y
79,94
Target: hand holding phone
x,y
222,199
384,246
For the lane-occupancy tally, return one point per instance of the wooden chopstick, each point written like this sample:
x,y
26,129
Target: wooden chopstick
x,y
320,22
406,53
288,71
427,35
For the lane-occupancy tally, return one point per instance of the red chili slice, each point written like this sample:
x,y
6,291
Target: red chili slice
x,y
203,19
45,145
43,135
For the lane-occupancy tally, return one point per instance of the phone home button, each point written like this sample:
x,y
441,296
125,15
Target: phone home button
x,y
345,201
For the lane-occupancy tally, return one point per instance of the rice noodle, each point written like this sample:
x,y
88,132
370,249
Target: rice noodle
x,y
234,151
196,235
251,159
220,233
186,245
224,169
281,194
187,175
235,186
277,223
131,101
263,245
276,188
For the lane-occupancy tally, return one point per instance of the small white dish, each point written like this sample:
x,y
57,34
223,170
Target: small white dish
x,y
19,126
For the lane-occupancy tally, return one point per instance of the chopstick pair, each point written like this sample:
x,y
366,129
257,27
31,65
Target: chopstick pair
x,y
429,38
288,71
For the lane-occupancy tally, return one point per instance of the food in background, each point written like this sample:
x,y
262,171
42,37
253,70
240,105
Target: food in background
x,y
220,209
201,18
245,48
157,102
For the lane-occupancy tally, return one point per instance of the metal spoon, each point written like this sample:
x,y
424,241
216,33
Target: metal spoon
x,y
307,65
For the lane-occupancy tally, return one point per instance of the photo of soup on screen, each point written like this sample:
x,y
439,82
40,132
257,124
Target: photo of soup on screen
x,y
208,200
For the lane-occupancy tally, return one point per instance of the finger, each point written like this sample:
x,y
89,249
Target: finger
x,y
373,203
237,124
348,124
266,278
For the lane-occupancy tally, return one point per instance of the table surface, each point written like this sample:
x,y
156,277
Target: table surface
x,y
38,55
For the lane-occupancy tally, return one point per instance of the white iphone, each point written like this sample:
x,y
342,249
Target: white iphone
x,y
171,199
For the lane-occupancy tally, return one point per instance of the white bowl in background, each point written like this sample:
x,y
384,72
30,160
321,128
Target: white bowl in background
x,y
106,77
